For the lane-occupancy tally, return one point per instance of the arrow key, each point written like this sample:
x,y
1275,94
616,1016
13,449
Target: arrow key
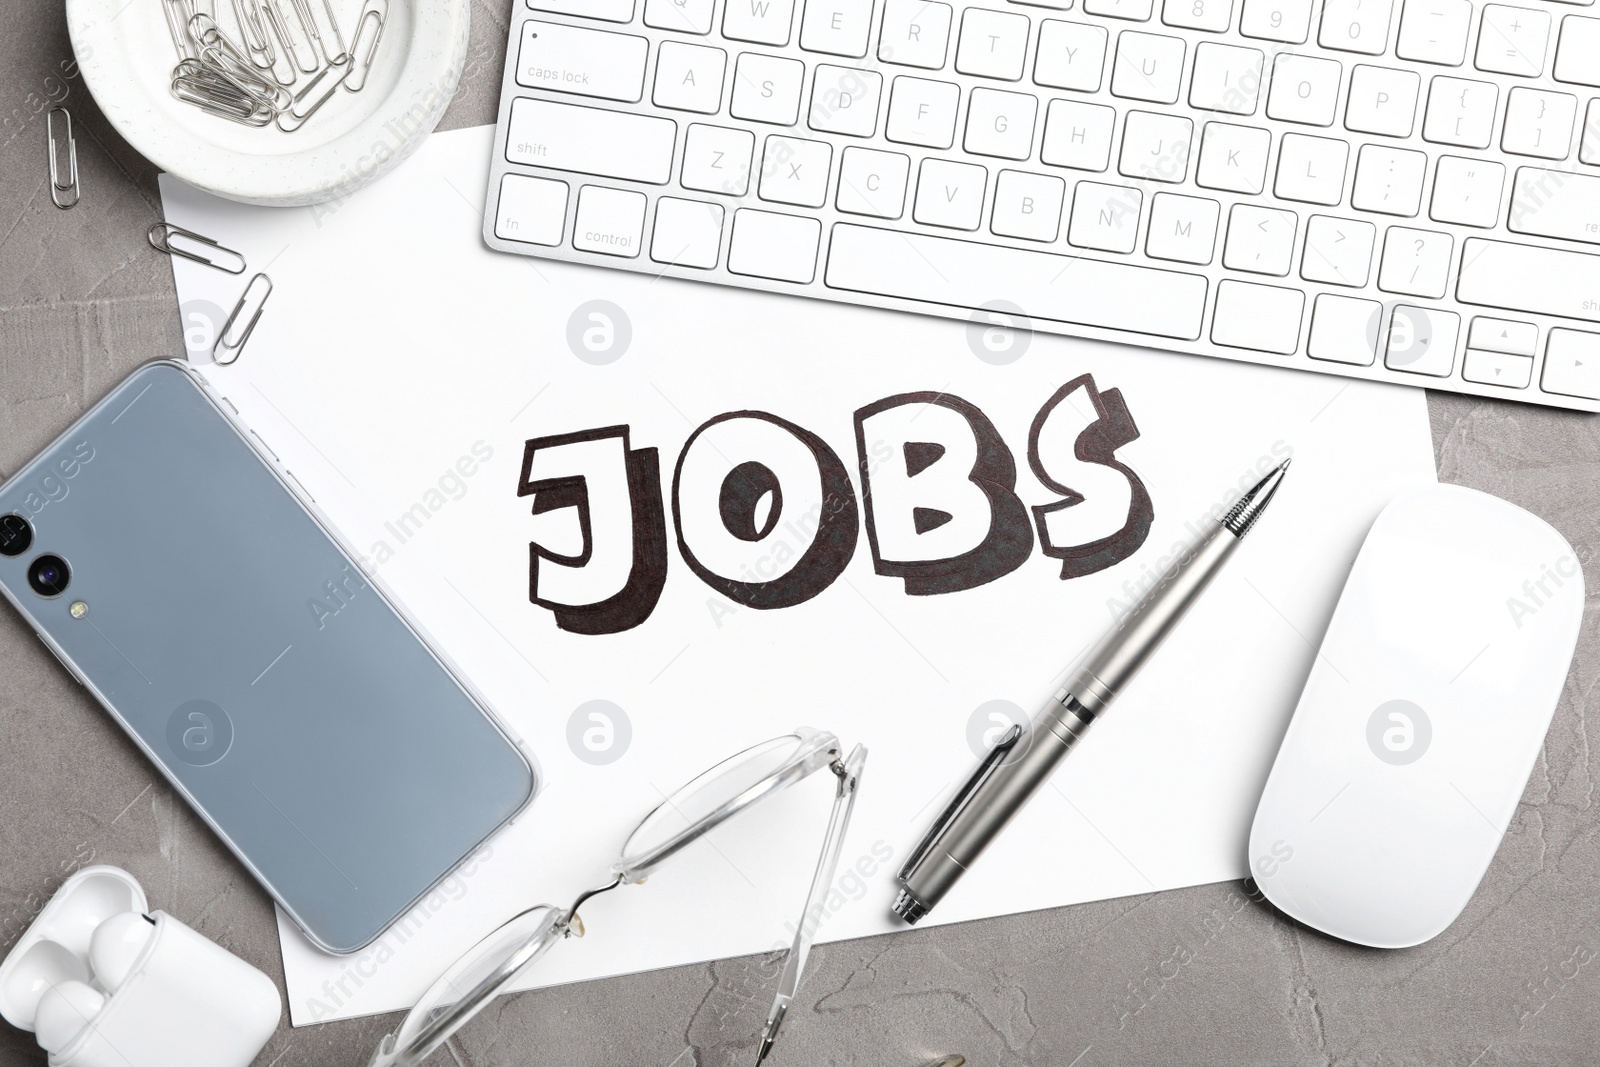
x,y
1503,335
1422,340
1572,364
1497,368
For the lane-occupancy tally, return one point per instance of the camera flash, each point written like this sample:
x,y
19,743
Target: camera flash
x,y
78,609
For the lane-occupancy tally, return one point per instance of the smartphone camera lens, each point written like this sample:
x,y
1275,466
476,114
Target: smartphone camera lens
x,y
48,575
15,535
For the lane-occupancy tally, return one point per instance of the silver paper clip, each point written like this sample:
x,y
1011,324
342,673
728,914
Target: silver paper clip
x,y
308,23
253,28
193,246
333,23
317,92
231,341
364,43
303,58
63,195
178,13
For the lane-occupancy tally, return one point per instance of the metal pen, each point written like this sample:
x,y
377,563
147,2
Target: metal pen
x,y
1007,778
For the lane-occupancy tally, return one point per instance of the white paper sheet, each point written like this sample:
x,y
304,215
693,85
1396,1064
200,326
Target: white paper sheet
x,y
399,370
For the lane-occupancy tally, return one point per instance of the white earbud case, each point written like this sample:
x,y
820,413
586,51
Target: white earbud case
x,y
171,998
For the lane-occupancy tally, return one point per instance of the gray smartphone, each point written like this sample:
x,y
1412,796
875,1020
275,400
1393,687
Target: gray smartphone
x,y
158,552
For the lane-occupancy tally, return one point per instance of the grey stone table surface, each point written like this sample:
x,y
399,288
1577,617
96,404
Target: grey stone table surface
x,y
1195,976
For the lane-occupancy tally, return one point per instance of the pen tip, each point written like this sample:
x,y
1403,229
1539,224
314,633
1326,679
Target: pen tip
x,y
1285,464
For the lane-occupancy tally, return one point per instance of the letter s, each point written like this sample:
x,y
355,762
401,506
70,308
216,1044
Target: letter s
x,y
1105,511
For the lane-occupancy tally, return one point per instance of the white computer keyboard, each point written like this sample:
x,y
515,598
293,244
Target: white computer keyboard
x,y
1400,190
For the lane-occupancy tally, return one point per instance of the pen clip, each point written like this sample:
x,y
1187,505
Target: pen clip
x,y
990,764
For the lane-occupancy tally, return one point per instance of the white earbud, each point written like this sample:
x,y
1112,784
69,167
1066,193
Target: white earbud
x,y
115,947
64,1010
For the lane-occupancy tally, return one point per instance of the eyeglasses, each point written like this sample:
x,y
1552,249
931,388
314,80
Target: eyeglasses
x,y
683,818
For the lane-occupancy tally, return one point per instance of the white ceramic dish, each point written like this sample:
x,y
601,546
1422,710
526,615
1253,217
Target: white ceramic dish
x,y
126,54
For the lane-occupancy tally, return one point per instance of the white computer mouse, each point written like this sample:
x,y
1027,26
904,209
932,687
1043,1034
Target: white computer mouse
x,y
1421,719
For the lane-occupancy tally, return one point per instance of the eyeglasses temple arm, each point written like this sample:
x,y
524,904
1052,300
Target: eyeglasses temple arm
x,y
848,773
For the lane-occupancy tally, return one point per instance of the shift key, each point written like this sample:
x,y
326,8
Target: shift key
x,y
1518,277
590,140
570,59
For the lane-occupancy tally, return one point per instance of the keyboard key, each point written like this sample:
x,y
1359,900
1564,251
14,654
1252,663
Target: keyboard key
x,y
687,233
1518,277
1077,135
1578,52
590,140
1000,124
684,16
1435,31
531,209
1422,340
1382,100
1338,251
766,244
1589,146
767,89
1497,368
872,182
1105,217
1210,15
950,194
1046,285
1226,78
1355,26
922,112
1503,335
1415,262
1276,20
689,77
1460,112
1027,205
1233,158
1554,203
1389,180
1132,10
794,170
1072,55
1262,318
610,221
916,33
1572,364
758,21
1304,89
1155,146
716,159
1512,40
836,27
570,59
607,10
1311,169
1149,66
1467,191
1260,239
1182,228
1538,123
993,44
1344,329
845,100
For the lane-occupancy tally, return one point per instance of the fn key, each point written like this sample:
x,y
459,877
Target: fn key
x,y
533,210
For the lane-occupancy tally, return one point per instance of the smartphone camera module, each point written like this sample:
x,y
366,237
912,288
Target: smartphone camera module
x,y
49,576
15,535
